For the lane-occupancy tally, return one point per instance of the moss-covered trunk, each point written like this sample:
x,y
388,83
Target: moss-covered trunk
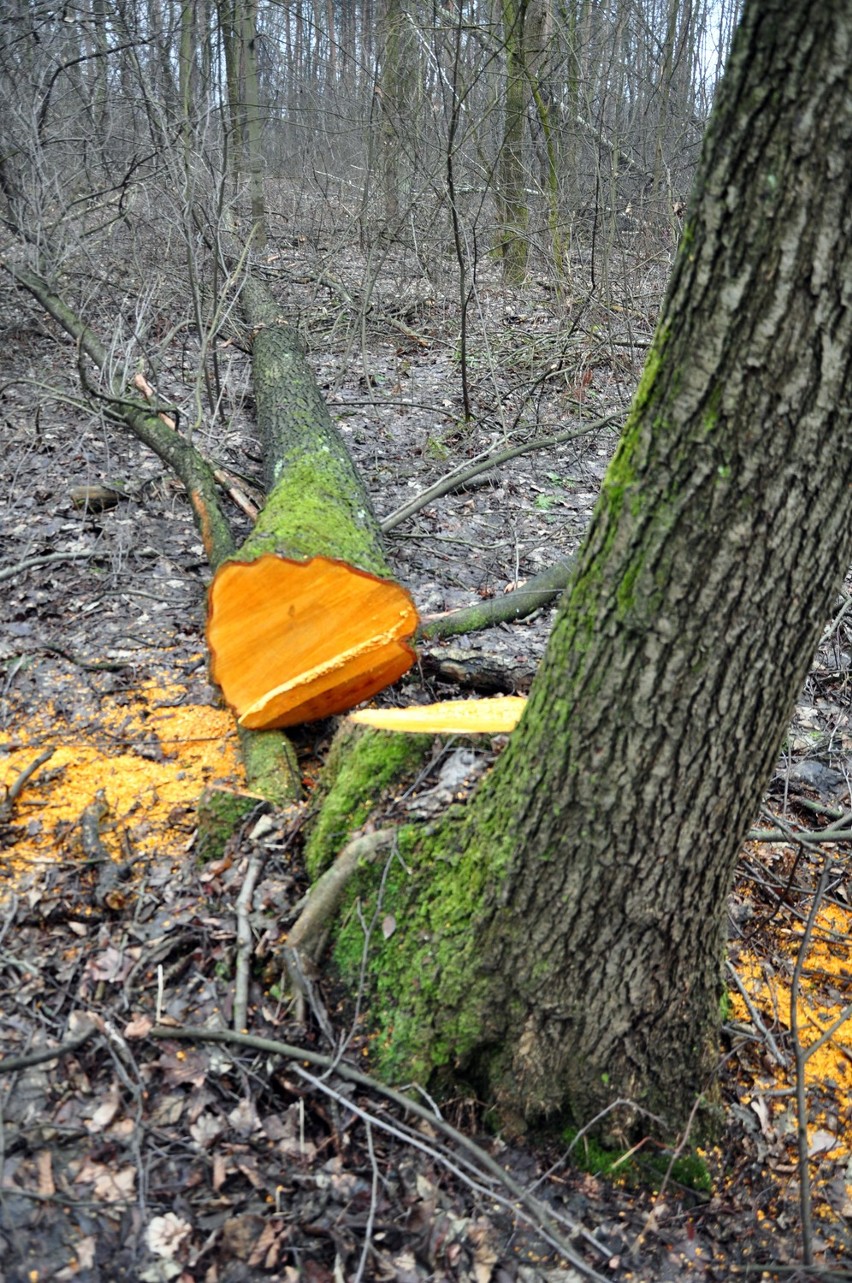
x,y
560,941
305,620
316,502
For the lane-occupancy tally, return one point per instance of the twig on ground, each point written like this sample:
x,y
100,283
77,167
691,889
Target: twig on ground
x,y
531,1210
784,832
519,603
371,1214
802,1055
11,1064
89,665
17,786
482,463
771,1044
244,939
31,563
240,498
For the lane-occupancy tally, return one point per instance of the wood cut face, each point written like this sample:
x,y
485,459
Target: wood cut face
x,y
293,641
330,692
452,717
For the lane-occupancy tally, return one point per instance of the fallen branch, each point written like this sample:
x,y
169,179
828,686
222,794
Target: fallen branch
x,y
11,1064
182,457
244,939
237,494
523,1203
31,563
95,499
519,603
224,478
834,832
17,786
756,1020
801,1056
476,670
482,463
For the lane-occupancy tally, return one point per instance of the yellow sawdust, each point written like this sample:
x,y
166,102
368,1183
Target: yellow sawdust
x,y
825,990
117,751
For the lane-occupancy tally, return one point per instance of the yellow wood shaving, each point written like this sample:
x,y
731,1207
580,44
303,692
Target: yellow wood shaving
x,y
453,717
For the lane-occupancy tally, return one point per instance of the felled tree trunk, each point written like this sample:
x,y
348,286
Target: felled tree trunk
x,y
306,619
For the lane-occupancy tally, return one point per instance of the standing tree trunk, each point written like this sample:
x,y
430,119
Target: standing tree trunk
x,y
512,202
392,106
251,140
559,944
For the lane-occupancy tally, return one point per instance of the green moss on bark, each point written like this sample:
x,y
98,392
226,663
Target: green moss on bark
x,y
220,812
361,766
271,766
309,513
431,1003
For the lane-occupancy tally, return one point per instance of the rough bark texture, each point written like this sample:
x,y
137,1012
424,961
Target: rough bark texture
x,y
560,942
512,173
316,502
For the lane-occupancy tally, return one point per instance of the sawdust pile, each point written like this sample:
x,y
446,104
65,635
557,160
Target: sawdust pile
x,y
147,751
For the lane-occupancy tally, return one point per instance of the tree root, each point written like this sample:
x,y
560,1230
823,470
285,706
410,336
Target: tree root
x,y
306,938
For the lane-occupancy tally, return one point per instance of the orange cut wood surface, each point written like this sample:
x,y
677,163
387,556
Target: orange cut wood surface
x,y
452,717
294,641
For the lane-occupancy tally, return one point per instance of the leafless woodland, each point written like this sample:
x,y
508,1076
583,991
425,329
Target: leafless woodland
x,y
468,210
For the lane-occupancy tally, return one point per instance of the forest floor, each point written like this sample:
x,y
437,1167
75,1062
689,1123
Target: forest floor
x,y
126,1157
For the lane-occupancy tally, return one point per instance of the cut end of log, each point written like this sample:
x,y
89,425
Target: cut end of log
x,y
294,641
454,717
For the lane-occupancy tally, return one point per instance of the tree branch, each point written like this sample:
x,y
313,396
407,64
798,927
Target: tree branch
x,y
481,464
183,459
535,1212
519,603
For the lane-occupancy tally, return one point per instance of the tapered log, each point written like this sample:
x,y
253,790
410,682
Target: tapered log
x,y
306,620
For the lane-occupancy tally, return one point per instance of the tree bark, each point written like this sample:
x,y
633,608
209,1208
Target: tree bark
x,y
512,203
316,502
304,633
558,944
